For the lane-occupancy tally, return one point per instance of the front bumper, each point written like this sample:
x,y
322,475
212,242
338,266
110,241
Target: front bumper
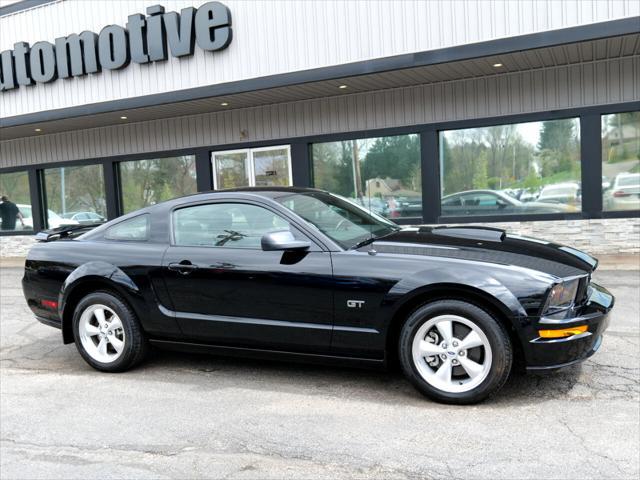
x,y
544,354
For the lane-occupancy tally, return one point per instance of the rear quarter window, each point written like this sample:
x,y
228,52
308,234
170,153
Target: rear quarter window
x,y
134,229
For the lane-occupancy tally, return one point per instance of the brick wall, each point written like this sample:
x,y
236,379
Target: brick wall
x,y
17,246
610,236
603,236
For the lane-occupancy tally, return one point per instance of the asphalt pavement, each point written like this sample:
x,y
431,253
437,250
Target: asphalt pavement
x,y
192,416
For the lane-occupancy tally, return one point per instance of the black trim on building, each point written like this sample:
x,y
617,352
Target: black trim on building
x,y
595,31
36,191
430,158
204,170
591,153
302,168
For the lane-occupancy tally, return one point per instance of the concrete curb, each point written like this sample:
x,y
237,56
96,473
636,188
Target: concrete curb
x,y
606,262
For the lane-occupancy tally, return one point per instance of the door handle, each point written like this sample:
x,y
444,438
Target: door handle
x,y
185,267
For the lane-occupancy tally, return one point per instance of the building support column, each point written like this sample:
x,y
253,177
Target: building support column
x,y
591,166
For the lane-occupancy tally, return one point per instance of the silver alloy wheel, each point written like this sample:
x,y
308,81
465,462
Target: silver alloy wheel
x,y
437,354
101,333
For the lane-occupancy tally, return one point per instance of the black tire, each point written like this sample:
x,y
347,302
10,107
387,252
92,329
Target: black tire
x,y
135,343
498,338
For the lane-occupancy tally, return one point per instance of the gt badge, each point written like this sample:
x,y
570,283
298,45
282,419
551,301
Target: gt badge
x,y
355,303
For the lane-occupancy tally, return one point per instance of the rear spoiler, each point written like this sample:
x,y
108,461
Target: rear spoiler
x,y
67,231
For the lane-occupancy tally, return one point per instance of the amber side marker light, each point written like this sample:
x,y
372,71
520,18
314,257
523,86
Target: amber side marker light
x,y
562,333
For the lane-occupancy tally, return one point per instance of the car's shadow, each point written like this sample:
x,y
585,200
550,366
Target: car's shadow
x,y
385,386
210,372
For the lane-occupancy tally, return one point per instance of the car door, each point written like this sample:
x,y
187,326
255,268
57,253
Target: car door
x,y
226,290
483,203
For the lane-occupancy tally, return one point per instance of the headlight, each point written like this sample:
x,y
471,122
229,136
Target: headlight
x,y
562,295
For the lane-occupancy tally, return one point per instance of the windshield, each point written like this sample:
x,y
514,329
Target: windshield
x,y
345,222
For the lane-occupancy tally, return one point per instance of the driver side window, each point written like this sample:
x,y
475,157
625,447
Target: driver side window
x,y
231,225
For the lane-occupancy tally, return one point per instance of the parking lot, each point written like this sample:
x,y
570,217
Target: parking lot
x,y
189,416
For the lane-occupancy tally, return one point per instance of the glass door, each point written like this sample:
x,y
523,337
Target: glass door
x,y
231,169
261,167
271,167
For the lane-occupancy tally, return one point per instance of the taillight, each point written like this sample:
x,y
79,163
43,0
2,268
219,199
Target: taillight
x,y
53,305
620,193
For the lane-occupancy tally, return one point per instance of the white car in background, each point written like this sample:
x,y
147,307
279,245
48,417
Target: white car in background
x,y
565,193
624,193
55,220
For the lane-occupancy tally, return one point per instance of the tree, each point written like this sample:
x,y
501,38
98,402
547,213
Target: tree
x,y
396,157
332,168
558,146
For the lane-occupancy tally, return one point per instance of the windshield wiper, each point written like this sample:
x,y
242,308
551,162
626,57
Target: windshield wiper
x,y
372,239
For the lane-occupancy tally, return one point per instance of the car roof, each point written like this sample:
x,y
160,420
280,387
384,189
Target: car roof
x,y
272,192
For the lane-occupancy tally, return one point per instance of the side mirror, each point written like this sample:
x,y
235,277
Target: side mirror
x,y
282,240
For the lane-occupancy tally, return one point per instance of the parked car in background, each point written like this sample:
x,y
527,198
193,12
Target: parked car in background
x,y
529,195
54,219
84,217
295,273
491,202
606,183
625,192
405,207
563,193
374,204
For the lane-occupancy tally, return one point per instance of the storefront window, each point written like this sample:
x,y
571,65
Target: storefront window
x,y
382,173
252,167
147,182
621,161
524,168
15,202
75,195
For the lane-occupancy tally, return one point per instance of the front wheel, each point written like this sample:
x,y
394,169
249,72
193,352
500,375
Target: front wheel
x,y
107,333
455,352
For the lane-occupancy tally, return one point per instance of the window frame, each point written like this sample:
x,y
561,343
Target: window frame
x,y
129,219
301,166
620,213
116,166
249,162
35,211
367,134
517,217
172,233
43,186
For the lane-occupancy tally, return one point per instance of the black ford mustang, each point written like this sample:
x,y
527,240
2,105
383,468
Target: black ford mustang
x,y
304,274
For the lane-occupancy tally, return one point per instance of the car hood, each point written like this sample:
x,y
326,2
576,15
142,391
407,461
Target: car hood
x,y
487,245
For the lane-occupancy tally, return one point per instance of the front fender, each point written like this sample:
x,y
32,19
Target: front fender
x,y
510,289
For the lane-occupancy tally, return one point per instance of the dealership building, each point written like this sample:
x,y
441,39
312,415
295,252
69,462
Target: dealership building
x,y
518,114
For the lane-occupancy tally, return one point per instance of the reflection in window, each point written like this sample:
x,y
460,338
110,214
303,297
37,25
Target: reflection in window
x,y
147,182
382,174
261,167
232,225
621,161
15,202
134,229
525,168
75,195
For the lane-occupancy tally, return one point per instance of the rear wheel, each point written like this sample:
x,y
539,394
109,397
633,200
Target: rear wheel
x,y
107,333
455,352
